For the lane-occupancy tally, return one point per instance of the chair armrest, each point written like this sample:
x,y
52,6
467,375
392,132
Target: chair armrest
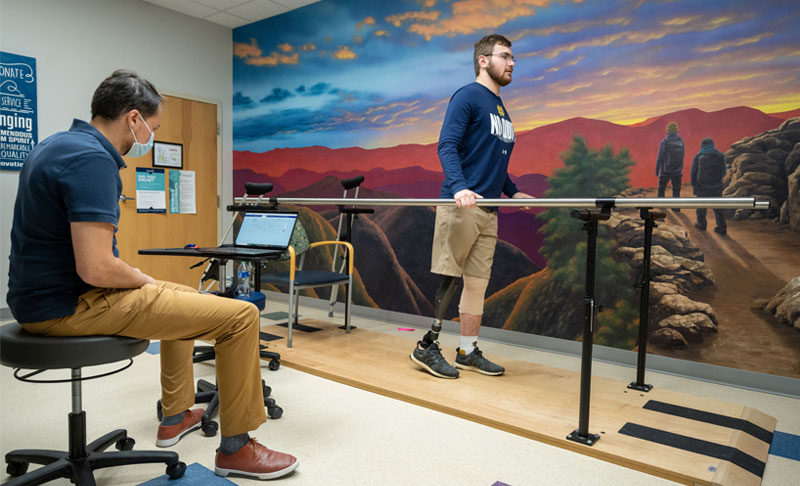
x,y
348,246
292,258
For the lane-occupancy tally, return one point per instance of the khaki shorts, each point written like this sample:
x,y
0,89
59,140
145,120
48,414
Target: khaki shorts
x,y
464,241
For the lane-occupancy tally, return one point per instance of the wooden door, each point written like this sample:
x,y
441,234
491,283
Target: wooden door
x,y
194,125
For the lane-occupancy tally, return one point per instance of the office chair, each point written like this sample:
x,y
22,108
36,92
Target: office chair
x,y
24,351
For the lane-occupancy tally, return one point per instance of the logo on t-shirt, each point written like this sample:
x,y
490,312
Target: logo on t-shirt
x,y
501,111
502,128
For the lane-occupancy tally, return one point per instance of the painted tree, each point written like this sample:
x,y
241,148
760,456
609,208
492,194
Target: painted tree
x,y
591,173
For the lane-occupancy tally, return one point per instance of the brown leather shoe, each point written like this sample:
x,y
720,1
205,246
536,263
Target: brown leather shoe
x,y
169,435
255,460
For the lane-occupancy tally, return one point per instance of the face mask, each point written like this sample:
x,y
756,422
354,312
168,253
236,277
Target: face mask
x,y
139,149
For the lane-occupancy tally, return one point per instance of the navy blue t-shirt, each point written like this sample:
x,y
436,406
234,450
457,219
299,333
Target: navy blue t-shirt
x,y
475,144
69,177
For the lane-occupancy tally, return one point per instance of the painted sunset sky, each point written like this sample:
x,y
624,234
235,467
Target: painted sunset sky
x,y
373,73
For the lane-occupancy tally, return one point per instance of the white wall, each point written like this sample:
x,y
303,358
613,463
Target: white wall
x,y
77,43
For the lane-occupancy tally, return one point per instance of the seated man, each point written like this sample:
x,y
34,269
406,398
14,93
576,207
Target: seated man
x,y
66,277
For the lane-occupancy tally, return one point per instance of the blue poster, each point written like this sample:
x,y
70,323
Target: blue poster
x,y
151,197
18,128
174,191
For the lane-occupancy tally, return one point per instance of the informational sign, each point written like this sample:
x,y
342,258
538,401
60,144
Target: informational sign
x,y
168,155
182,190
18,128
150,194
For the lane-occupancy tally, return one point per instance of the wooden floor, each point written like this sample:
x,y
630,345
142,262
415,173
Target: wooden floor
x,y
541,403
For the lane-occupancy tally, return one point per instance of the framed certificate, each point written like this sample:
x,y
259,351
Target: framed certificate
x,y
168,155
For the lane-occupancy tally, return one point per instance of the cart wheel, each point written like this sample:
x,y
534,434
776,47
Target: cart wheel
x,y
275,412
16,468
175,471
125,444
210,428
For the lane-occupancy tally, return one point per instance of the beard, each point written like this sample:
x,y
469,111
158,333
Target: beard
x,y
498,74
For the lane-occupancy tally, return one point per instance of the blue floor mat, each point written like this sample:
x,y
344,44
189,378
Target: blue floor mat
x,y
196,474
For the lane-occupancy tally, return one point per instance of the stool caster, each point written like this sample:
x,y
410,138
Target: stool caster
x,y
266,390
275,412
175,471
210,428
274,364
17,468
125,444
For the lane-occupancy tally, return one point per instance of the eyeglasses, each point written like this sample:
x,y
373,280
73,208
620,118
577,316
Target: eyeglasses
x,y
504,56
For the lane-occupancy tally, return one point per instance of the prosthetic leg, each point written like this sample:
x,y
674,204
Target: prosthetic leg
x,y
443,297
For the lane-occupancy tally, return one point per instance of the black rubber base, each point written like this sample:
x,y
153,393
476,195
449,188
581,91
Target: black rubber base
x,y
588,439
641,388
302,327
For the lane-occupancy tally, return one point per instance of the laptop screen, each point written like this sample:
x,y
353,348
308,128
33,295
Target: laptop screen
x,y
266,230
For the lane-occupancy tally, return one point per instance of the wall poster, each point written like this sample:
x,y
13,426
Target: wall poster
x,y
150,194
18,126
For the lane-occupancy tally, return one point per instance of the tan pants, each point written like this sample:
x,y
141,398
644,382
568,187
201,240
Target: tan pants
x,y
463,241
177,315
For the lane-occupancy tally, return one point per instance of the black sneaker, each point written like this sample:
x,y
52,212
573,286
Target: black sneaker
x,y
476,362
433,362
720,231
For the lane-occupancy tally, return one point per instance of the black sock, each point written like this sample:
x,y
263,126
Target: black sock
x,y
231,445
173,419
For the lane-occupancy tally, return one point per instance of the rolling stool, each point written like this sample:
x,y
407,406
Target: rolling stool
x,y
207,391
22,350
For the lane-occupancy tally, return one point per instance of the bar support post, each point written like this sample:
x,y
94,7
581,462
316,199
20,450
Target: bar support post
x,y
590,218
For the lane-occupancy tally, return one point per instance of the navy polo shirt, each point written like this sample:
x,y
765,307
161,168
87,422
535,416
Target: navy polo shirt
x,y
69,177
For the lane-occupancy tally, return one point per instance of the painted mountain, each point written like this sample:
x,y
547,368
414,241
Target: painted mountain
x,y
536,152
413,170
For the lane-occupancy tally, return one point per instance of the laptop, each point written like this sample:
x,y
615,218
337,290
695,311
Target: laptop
x,y
260,234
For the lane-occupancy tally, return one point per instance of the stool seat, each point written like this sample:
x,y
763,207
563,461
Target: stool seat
x,y
256,298
21,349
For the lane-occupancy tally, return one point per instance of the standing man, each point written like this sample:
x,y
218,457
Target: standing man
x,y
669,164
66,277
708,170
474,148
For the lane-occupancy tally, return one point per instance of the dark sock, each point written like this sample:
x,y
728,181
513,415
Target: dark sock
x,y
231,445
173,419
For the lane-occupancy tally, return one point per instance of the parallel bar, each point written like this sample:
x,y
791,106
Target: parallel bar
x,y
588,203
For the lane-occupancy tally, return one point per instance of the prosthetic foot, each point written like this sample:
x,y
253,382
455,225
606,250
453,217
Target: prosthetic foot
x,y
427,353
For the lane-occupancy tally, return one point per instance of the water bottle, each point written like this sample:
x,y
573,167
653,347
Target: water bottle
x,y
243,279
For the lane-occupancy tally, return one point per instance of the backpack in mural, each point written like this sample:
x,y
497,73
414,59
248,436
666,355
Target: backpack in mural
x,y
710,169
673,156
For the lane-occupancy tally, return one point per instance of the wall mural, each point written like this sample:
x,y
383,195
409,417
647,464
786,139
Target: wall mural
x,y
347,87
